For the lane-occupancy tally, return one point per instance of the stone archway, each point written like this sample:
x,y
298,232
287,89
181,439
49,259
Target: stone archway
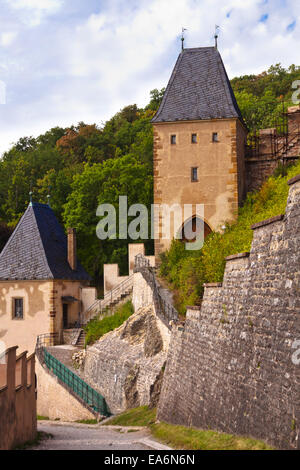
x,y
188,229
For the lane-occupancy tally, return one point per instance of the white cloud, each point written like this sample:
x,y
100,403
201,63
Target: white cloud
x,y
47,5
122,48
87,67
37,10
7,38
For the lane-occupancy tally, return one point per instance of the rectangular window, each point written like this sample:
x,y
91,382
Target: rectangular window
x,y
173,139
194,175
194,138
215,137
18,311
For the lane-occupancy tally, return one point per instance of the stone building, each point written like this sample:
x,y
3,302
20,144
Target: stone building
x,y
43,288
199,144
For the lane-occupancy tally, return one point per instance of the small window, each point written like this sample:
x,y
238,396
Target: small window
x,y
215,137
194,174
18,311
194,138
173,139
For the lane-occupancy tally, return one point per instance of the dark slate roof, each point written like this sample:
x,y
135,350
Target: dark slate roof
x,y
37,249
199,88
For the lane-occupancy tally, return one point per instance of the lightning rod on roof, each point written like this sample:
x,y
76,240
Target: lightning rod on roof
x,y
49,196
30,194
217,29
182,38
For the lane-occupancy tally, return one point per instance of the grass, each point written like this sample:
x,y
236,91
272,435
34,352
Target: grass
x,y
40,436
181,437
142,416
42,418
187,271
185,438
87,421
96,328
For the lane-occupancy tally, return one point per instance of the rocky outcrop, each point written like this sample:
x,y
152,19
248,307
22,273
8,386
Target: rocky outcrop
x,y
125,365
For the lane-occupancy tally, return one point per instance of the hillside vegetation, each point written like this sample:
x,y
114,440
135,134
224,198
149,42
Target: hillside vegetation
x,y
82,167
262,98
85,165
96,328
187,271
182,437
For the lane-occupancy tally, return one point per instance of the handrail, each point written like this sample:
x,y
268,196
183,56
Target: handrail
x,y
162,306
109,297
283,149
279,144
78,386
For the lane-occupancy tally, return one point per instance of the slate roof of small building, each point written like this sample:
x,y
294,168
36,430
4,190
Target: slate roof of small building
x,y
38,249
198,89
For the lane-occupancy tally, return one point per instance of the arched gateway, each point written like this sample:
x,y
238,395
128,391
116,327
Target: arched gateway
x,y
192,228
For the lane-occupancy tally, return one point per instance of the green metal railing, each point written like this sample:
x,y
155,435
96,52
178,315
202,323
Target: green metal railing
x,y
76,384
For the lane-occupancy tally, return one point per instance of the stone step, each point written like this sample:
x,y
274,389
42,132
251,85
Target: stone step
x,y
81,340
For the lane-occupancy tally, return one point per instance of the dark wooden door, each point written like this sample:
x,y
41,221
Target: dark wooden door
x,y
65,316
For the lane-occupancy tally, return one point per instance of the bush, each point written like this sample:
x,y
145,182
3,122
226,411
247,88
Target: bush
x,y
96,328
187,271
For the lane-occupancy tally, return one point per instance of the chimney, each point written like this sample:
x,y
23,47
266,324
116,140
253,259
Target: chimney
x,y
72,258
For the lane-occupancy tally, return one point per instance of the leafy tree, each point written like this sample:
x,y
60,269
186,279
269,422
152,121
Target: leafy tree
x,y
156,98
262,98
5,233
100,184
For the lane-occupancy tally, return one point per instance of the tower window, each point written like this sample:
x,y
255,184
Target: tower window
x,y
194,138
194,174
173,139
18,312
215,137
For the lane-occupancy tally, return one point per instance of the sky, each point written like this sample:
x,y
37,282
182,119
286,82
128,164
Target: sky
x,y
66,61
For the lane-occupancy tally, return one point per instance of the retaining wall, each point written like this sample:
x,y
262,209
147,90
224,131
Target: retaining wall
x,y
234,366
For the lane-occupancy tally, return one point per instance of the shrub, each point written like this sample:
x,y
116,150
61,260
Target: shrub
x,y
97,328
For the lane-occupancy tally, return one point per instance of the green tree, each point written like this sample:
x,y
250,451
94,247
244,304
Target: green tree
x,y
99,184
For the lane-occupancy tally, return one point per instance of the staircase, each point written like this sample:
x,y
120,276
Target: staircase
x,y
74,384
111,298
81,340
291,151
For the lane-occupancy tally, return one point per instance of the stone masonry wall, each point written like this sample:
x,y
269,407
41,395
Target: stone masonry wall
x,y
263,165
125,365
233,367
142,296
258,171
55,402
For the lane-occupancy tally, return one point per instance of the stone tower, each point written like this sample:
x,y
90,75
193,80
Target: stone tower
x,y
199,143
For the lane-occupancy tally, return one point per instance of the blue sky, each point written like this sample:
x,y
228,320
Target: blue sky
x,y
65,61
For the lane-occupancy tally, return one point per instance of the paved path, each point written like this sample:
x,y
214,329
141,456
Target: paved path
x,y
69,436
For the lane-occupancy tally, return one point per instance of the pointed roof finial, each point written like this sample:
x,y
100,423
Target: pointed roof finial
x,y
217,29
183,38
49,196
30,194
